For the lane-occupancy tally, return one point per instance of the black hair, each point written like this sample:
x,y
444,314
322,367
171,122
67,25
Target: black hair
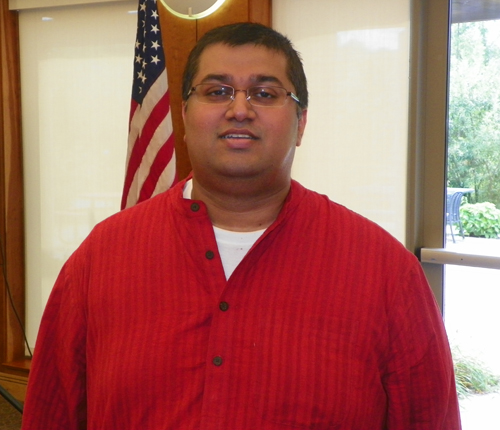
x,y
249,33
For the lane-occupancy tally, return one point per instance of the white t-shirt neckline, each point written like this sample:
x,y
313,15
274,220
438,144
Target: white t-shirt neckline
x,y
232,245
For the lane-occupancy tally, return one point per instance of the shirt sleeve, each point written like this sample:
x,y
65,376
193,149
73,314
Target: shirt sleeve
x,y
56,394
419,378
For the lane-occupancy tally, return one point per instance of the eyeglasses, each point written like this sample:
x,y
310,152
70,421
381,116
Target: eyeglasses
x,y
264,96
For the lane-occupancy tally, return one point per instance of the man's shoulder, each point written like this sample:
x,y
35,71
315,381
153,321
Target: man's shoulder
x,y
342,221
323,204
144,214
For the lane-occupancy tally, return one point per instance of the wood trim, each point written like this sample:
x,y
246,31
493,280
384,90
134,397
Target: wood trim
x,y
15,385
260,11
179,37
11,190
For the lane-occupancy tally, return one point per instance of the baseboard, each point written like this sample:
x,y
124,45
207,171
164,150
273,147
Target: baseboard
x,y
15,385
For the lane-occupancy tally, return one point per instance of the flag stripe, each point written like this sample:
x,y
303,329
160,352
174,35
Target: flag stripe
x,y
157,141
157,149
168,176
145,132
151,147
161,161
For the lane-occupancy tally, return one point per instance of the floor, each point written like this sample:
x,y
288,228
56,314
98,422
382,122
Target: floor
x,y
10,418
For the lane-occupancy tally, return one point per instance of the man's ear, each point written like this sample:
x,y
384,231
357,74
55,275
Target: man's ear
x,y
184,107
301,126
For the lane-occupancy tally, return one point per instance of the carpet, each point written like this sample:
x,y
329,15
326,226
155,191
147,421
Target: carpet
x,y
10,418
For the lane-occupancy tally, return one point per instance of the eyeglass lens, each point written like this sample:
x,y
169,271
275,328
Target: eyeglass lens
x,y
257,96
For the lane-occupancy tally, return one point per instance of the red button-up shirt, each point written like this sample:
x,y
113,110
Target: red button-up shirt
x,y
327,323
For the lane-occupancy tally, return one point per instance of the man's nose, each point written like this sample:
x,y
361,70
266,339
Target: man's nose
x,y
240,108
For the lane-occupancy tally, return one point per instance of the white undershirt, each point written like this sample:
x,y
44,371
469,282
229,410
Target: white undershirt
x,y
233,245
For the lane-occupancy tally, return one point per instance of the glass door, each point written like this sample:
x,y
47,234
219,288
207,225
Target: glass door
x,y
471,294
471,237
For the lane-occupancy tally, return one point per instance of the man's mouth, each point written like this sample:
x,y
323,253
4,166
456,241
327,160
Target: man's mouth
x,y
238,136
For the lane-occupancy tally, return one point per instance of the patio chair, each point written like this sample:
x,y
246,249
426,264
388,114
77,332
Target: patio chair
x,y
453,202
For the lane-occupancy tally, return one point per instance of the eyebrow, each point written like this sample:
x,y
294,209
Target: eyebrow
x,y
256,79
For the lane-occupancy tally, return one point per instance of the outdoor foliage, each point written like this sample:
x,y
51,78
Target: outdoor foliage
x,y
481,220
474,110
472,377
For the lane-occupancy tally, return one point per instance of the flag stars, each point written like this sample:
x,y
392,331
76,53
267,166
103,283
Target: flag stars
x,y
142,76
149,58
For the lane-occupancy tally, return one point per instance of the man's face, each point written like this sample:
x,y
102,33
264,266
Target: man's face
x,y
238,140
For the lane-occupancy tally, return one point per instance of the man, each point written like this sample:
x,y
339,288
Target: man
x,y
239,299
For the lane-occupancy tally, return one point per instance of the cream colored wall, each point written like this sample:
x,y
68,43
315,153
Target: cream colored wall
x,y
76,79
356,56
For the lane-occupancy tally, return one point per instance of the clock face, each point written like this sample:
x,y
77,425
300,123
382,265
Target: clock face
x,y
192,9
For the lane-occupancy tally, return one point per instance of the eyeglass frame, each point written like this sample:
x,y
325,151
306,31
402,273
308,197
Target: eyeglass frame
x,y
248,97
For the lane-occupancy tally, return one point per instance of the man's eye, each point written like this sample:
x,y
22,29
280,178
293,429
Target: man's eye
x,y
218,92
264,93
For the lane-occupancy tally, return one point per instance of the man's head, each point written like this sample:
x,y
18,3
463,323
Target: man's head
x,y
252,34
242,111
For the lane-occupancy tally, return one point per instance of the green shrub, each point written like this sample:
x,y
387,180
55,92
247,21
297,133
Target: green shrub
x,y
472,376
480,220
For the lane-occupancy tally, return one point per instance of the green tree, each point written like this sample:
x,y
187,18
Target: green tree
x,y
474,110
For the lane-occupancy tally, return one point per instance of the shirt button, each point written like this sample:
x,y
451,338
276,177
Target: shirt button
x,y
210,255
195,207
217,361
223,306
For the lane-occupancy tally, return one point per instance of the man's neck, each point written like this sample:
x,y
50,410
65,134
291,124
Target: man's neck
x,y
238,209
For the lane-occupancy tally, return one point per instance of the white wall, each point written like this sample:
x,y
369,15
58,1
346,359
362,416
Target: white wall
x,y
76,79
356,56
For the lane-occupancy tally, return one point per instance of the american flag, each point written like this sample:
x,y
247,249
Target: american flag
x,y
151,154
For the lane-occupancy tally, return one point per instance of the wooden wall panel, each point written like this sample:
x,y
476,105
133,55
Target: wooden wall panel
x,y
231,11
260,11
11,191
179,37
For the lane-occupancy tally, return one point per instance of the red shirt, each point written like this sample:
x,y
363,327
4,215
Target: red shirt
x,y
327,323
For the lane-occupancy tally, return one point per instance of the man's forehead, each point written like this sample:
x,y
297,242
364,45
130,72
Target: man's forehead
x,y
226,78
247,49
259,63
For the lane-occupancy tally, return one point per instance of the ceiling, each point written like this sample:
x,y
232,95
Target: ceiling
x,y
474,10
